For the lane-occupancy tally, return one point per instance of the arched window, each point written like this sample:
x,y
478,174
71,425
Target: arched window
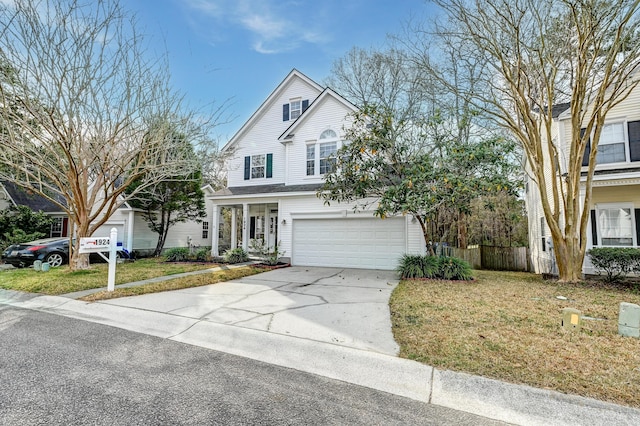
x,y
321,156
328,134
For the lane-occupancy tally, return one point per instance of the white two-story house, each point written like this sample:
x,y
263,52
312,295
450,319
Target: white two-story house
x,y
280,157
614,210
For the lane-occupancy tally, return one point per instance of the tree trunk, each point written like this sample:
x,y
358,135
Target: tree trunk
x,y
163,230
567,254
462,230
79,261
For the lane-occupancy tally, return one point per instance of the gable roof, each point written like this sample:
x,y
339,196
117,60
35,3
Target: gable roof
x,y
267,103
558,109
22,197
287,134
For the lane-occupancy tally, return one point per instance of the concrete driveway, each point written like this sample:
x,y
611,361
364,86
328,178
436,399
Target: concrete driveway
x,y
347,307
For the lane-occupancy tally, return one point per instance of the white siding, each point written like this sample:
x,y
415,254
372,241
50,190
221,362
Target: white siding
x,y
330,114
262,137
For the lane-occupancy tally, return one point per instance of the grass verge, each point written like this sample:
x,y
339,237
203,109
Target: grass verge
x,y
61,280
506,326
176,284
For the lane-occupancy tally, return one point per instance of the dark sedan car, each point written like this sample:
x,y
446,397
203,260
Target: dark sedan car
x,y
55,251
52,250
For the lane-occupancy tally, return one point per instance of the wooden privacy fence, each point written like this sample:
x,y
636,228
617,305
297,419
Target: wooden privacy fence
x,y
494,258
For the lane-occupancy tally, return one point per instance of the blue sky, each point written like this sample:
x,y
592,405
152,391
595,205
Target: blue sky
x,y
239,50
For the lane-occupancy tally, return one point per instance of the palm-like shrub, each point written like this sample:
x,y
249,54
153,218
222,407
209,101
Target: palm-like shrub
x,y
448,268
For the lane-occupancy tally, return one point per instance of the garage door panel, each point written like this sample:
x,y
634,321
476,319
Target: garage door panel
x,y
351,243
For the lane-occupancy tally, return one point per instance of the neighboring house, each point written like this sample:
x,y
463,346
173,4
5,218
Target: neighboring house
x,y
280,157
614,218
133,231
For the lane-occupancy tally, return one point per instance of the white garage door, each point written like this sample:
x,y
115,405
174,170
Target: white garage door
x,y
349,243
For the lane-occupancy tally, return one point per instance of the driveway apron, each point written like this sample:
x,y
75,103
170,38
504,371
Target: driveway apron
x,y
348,307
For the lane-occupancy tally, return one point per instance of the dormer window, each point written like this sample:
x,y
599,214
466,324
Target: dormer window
x,y
294,108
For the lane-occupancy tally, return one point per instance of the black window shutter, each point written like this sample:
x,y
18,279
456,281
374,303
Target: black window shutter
x,y
252,227
305,104
594,228
269,165
285,112
247,167
587,150
637,214
634,140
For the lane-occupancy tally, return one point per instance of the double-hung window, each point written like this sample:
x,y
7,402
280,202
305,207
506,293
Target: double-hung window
x,y
311,160
612,145
257,166
328,157
295,109
615,224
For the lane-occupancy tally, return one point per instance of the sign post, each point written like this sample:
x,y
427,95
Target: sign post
x,y
113,246
100,245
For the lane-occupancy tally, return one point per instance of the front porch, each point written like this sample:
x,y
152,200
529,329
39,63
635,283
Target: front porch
x,y
238,225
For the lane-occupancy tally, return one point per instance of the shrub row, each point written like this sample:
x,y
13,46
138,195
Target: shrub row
x,y
615,262
183,254
443,267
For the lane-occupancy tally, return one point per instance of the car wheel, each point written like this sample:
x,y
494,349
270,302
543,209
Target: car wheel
x,y
54,259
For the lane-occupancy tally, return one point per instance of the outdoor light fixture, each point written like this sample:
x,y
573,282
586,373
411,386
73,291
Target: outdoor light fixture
x,y
284,221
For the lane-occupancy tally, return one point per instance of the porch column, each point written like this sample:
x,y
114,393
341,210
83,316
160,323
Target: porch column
x,y
234,227
129,246
214,231
245,226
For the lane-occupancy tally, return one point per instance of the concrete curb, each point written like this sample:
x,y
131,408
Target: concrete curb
x,y
493,399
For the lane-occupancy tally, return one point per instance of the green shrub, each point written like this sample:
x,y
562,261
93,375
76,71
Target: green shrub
x,y
411,266
269,255
236,255
177,254
203,254
616,262
448,268
20,224
451,268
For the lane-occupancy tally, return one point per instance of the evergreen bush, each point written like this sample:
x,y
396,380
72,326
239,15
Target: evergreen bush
x,y
616,262
236,255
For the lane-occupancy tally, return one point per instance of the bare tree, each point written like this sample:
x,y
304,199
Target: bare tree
x,y
77,98
539,53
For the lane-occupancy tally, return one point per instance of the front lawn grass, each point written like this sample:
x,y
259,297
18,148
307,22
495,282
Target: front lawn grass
x,y
176,284
61,280
507,326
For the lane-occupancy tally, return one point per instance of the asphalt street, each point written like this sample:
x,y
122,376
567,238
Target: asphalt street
x,y
59,370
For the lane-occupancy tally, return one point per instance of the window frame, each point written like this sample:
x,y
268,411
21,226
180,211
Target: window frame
x,y
297,110
318,163
599,208
57,227
625,142
257,167
311,159
328,159
205,230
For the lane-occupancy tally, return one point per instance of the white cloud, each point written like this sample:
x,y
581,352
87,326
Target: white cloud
x,y
271,26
